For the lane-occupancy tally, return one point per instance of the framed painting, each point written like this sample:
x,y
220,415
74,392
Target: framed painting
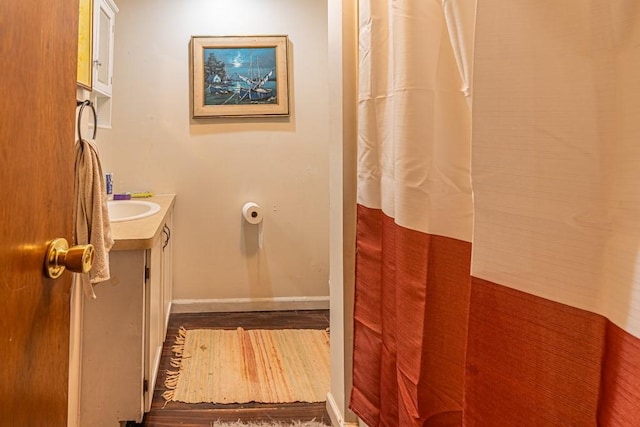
x,y
85,42
239,76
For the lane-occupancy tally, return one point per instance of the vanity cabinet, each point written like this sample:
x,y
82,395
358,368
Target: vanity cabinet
x,y
158,305
124,328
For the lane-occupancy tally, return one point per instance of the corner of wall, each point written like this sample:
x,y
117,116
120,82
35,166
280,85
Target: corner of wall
x,y
336,416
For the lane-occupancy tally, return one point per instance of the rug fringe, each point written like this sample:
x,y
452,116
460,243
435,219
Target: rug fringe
x,y
171,380
168,396
179,343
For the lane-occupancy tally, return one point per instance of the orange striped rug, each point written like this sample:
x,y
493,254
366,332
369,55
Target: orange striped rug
x,y
240,366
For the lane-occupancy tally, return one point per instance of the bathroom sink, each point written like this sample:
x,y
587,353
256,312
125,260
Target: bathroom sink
x,y
127,210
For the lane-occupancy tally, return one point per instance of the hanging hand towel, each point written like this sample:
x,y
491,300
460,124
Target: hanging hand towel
x,y
91,217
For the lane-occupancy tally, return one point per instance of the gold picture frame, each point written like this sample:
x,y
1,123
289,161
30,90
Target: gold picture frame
x,y
85,44
239,76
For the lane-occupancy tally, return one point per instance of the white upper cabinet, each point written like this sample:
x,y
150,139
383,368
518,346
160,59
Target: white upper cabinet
x,y
104,21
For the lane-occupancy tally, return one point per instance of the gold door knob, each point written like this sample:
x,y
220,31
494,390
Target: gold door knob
x,y
78,259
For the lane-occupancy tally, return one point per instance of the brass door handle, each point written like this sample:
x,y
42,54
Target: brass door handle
x,y
60,256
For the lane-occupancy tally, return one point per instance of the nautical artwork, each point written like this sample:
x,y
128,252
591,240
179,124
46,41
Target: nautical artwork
x,y
239,76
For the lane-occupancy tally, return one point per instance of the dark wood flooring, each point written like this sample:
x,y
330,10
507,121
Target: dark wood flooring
x,y
171,414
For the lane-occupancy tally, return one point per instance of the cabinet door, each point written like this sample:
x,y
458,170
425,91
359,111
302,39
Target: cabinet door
x,y
104,22
154,323
113,356
167,272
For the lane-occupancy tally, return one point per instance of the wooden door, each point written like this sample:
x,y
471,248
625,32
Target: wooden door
x,y
38,50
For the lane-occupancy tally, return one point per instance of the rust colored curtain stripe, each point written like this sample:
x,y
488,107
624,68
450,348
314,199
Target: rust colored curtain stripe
x,y
410,324
620,396
535,362
367,342
530,361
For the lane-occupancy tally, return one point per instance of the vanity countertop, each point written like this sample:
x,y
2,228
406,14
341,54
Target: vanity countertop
x,y
141,233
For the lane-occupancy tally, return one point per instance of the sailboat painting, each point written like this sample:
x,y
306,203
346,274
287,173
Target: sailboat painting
x,y
239,76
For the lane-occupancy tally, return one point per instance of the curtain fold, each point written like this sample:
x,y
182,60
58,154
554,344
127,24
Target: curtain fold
x,y
411,322
514,301
415,216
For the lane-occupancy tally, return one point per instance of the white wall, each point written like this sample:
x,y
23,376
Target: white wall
x,y
215,165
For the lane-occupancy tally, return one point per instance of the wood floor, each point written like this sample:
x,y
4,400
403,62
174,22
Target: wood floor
x,y
171,414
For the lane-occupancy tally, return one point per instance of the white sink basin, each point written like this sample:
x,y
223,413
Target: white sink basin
x,y
127,210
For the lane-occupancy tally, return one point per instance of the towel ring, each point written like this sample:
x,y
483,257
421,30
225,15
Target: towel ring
x,y
83,104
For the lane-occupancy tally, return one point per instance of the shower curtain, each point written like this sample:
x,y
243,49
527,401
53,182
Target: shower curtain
x,y
498,234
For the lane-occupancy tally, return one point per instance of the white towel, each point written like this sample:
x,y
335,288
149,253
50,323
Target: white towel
x,y
91,217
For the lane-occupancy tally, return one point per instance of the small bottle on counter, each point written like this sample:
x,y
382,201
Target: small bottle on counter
x,y
108,178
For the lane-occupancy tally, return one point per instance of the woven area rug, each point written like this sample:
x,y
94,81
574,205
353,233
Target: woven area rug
x,y
241,366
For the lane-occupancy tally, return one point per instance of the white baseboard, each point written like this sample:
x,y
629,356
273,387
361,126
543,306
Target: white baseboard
x,y
337,420
226,305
